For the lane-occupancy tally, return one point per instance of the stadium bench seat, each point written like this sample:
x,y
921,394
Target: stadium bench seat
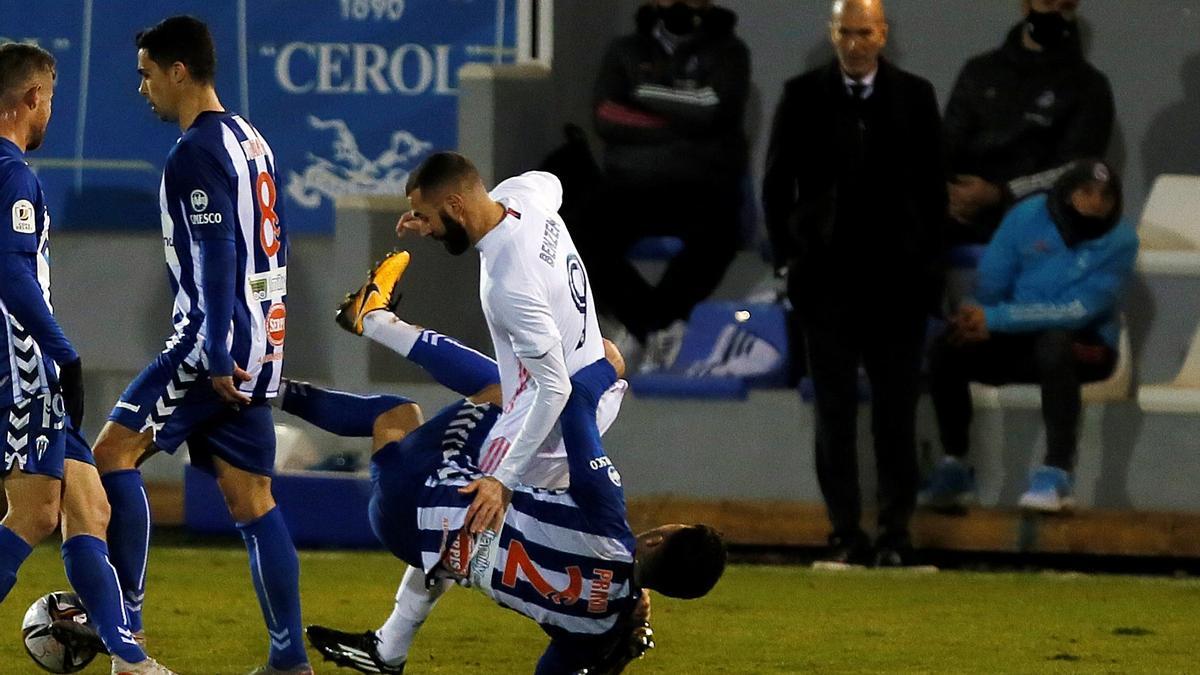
x,y
729,348
1180,395
1170,228
1118,386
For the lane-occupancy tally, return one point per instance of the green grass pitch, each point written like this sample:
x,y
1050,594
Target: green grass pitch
x,y
202,618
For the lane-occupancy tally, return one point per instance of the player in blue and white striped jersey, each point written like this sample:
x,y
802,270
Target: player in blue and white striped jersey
x,y
47,464
563,557
226,250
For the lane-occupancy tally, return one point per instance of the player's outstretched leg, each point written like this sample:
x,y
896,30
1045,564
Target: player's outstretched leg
x,y
414,602
274,565
451,364
338,412
118,450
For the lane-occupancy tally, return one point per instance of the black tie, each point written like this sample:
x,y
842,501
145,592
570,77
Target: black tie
x,y
858,91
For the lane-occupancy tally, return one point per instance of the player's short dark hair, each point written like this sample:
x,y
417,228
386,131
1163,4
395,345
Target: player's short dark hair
x,y
440,170
183,39
688,563
19,62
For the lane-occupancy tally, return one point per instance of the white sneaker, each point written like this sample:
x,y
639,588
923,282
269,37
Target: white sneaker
x,y
662,348
1049,491
147,667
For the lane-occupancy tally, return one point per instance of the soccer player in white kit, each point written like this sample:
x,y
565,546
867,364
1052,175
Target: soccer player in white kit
x,y
535,295
537,301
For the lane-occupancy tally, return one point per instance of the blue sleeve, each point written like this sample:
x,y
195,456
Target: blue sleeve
x,y
218,277
1078,305
22,294
20,210
595,482
204,188
1001,259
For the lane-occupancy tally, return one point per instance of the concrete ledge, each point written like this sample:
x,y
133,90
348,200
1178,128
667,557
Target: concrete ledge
x,y
1165,398
786,523
998,530
1169,263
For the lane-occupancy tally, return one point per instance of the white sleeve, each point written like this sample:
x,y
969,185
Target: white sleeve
x,y
549,187
552,387
521,309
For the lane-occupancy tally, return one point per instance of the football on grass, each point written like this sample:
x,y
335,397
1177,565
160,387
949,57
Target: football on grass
x,y
44,648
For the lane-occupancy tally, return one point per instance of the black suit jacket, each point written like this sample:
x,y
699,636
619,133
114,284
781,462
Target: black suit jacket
x,y
908,189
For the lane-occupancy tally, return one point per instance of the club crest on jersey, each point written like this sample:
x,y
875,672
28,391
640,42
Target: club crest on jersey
x,y
199,200
276,323
23,217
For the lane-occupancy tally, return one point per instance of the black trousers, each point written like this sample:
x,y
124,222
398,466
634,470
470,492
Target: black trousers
x,y
888,341
704,216
1060,361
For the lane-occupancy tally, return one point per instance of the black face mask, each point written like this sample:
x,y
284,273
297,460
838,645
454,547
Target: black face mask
x,y
1091,227
679,19
455,239
1050,29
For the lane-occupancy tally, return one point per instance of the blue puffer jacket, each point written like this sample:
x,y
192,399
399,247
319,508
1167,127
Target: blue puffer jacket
x,y
1030,280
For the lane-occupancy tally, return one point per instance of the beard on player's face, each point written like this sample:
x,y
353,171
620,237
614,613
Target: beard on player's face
x,y
36,135
455,237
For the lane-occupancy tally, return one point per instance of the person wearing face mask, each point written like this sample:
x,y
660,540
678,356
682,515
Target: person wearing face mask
x,y
1045,312
669,105
1019,115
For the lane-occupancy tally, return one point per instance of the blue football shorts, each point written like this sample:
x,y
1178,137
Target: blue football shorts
x,y
176,401
38,437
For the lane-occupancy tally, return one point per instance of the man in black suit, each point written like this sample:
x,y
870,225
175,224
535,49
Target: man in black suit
x,y
855,195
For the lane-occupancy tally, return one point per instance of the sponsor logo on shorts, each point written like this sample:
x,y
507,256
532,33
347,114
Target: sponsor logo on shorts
x,y
276,324
23,217
199,200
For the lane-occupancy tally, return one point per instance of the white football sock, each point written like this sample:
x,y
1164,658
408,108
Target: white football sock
x,y
414,602
391,331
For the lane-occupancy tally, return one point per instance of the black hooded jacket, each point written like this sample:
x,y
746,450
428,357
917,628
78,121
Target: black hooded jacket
x,y
1015,113
675,116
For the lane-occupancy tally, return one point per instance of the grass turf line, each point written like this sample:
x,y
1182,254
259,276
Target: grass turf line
x,y
203,618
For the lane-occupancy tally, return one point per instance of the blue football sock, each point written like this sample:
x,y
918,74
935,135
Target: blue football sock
x,y
335,411
129,537
95,581
275,570
13,551
454,365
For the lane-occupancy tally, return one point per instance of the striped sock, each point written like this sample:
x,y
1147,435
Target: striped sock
x,y
129,537
452,364
13,551
275,571
95,580
337,412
